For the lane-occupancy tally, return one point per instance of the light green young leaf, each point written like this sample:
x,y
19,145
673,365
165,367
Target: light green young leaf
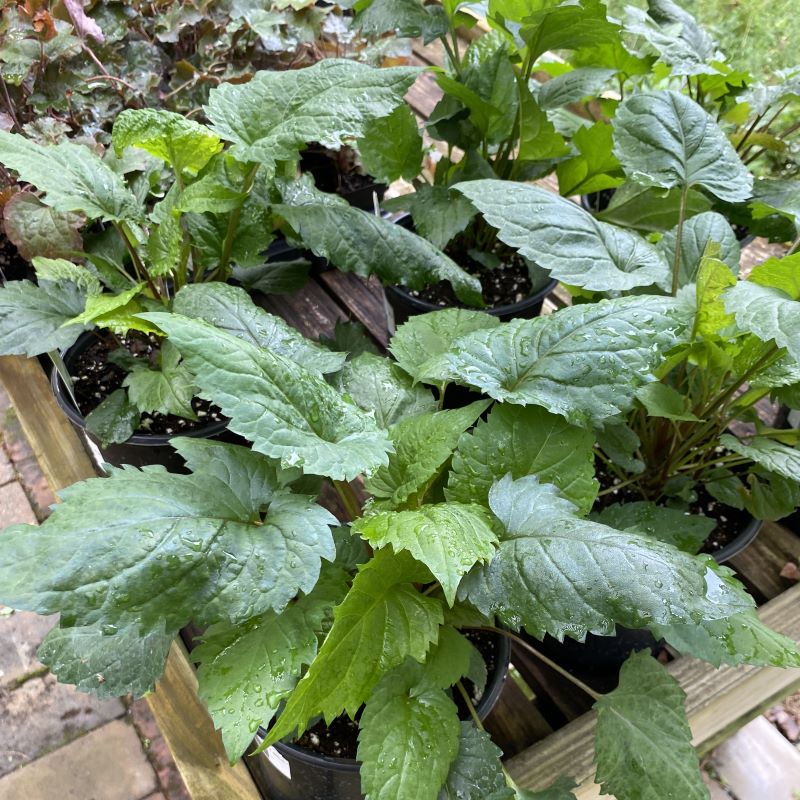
x,y
115,420
72,176
101,305
357,241
57,269
287,412
421,344
377,384
559,574
391,147
168,390
272,116
779,273
403,728
642,740
438,213
714,277
449,538
560,236
524,441
231,309
583,362
107,663
422,446
382,621
595,167
650,209
33,318
38,230
772,455
664,401
182,143
246,671
572,86
665,139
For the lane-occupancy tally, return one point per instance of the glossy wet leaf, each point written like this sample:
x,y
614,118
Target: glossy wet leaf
x,y
39,230
114,420
772,455
391,147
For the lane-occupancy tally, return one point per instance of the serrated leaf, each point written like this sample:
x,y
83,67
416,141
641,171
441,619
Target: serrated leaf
x,y
57,269
231,309
559,574
438,213
246,671
583,362
572,86
662,400
32,318
405,18
523,441
38,230
642,740
713,278
272,116
286,411
779,273
402,729
377,384
538,139
422,446
648,208
105,662
595,167
168,390
164,246
772,455
356,241
114,420
182,143
452,658
560,236
665,139
72,177
382,621
166,549
476,773
421,344
101,305
391,147
449,538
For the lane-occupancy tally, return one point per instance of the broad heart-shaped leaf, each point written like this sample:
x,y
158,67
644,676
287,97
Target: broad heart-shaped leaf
x,y
115,420
377,384
165,549
666,139
72,177
422,446
772,455
559,574
246,671
560,236
357,241
476,773
231,309
572,86
38,230
107,661
286,411
382,621
524,441
272,116
184,144
32,318
449,538
421,344
643,744
408,738
583,362
697,233
391,147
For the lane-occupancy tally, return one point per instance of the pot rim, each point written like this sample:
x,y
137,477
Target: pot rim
x,y
740,541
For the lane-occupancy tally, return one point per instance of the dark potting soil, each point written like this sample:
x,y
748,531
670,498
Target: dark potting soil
x,y
599,201
13,267
335,171
95,378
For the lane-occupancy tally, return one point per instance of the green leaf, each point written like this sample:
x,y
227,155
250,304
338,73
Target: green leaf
x,y
538,139
685,531
405,18
560,236
779,273
107,663
449,538
422,446
275,277
559,574
356,241
452,658
772,455
560,789
115,420
168,390
476,773
524,441
382,621
664,401
72,177
391,147
595,167
421,344
287,412
583,362
642,740
408,738
246,671
231,309
57,269
272,116
647,208
33,318
665,139
714,277
102,305
38,230
165,548
182,143
438,213
377,384
572,86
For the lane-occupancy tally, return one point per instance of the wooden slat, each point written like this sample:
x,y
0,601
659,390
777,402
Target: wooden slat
x,y
364,299
183,719
760,564
718,702
311,310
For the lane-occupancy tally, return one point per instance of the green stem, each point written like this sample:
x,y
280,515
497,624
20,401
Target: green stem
x,y
233,224
617,486
349,499
794,246
676,263
748,133
141,272
472,712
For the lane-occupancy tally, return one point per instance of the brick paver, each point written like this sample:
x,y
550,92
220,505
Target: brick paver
x,y
14,505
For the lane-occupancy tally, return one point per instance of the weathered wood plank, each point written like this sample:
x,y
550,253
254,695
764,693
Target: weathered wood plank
x,y
759,565
364,299
311,310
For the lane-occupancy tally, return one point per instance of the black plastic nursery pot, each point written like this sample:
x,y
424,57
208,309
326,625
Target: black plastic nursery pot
x,y
288,772
742,540
142,449
360,190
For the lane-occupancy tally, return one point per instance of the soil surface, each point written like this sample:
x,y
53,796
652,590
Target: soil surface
x,y
95,378
13,267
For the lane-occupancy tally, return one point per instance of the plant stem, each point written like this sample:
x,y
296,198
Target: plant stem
x,y
748,132
138,266
616,486
349,498
794,246
676,263
472,712
233,224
